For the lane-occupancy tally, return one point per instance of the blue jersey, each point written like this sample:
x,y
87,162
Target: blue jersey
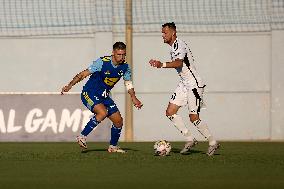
x,y
105,75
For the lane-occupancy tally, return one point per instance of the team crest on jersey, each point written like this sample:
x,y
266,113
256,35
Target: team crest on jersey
x,y
120,73
171,53
107,72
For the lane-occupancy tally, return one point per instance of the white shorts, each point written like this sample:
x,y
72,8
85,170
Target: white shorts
x,y
185,96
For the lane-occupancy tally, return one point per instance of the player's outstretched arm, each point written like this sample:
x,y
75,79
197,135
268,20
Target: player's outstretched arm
x,y
79,77
158,64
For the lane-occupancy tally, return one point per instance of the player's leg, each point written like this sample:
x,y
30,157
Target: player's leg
x,y
202,127
194,105
117,123
179,99
179,124
177,120
115,132
100,112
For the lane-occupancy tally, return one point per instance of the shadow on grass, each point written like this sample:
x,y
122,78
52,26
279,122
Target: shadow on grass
x,y
105,150
176,150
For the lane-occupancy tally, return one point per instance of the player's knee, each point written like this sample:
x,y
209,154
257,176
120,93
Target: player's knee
x,y
193,117
101,115
118,123
169,113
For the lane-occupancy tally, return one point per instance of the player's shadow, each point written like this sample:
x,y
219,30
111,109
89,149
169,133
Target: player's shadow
x,y
177,151
215,154
105,150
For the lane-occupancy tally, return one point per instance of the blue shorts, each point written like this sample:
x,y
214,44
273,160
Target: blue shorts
x,y
90,99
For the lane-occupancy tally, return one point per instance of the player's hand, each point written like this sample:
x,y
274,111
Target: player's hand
x,y
65,89
137,103
155,63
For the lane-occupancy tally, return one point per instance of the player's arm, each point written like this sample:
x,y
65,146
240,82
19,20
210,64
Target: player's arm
x,y
130,89
177,63
79,77
96,66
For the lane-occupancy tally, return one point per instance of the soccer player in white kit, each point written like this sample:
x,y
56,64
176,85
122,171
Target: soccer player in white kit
x,y
188,92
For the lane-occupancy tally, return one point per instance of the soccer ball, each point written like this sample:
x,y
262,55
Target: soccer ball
x,y
162,148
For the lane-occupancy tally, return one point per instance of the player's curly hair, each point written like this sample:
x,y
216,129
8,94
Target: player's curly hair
x,y
171,25
119,45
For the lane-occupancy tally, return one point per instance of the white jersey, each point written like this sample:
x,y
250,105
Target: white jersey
x,y
188,74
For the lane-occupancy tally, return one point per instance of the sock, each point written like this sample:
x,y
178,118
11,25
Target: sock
x,y
204,130
179,124
115,134
90,126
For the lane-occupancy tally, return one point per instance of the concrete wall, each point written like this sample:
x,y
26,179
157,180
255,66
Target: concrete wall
x,y
243,72
277,86
45,64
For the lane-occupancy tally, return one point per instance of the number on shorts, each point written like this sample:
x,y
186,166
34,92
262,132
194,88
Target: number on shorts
x,y
105,94
173,96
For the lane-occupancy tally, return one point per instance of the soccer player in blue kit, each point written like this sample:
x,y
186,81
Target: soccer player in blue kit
x,y
104,73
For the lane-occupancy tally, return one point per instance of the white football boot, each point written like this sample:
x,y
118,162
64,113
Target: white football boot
x,y
82,141
188,146
117,149
212,149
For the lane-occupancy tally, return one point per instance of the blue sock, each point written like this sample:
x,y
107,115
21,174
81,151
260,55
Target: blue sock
x,y
115,134
90,126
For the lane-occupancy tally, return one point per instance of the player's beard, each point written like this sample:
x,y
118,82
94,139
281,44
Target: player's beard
x,y
167,41
121,61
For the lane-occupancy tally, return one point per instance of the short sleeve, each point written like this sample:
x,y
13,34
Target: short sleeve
x,y
178,51
127,74
96,66
180,54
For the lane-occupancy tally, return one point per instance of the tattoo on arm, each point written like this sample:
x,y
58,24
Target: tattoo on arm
x,y
76,79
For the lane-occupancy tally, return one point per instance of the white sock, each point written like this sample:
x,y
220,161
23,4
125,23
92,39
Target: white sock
x,y
204,130
179,124
83,136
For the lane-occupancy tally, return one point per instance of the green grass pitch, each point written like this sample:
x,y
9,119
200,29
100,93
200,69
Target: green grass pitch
x,y
62,165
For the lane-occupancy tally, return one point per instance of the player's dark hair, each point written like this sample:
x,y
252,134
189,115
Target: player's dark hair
x,y
171,25
119,45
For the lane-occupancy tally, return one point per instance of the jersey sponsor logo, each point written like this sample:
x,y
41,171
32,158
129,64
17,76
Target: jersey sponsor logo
x,y
110,81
